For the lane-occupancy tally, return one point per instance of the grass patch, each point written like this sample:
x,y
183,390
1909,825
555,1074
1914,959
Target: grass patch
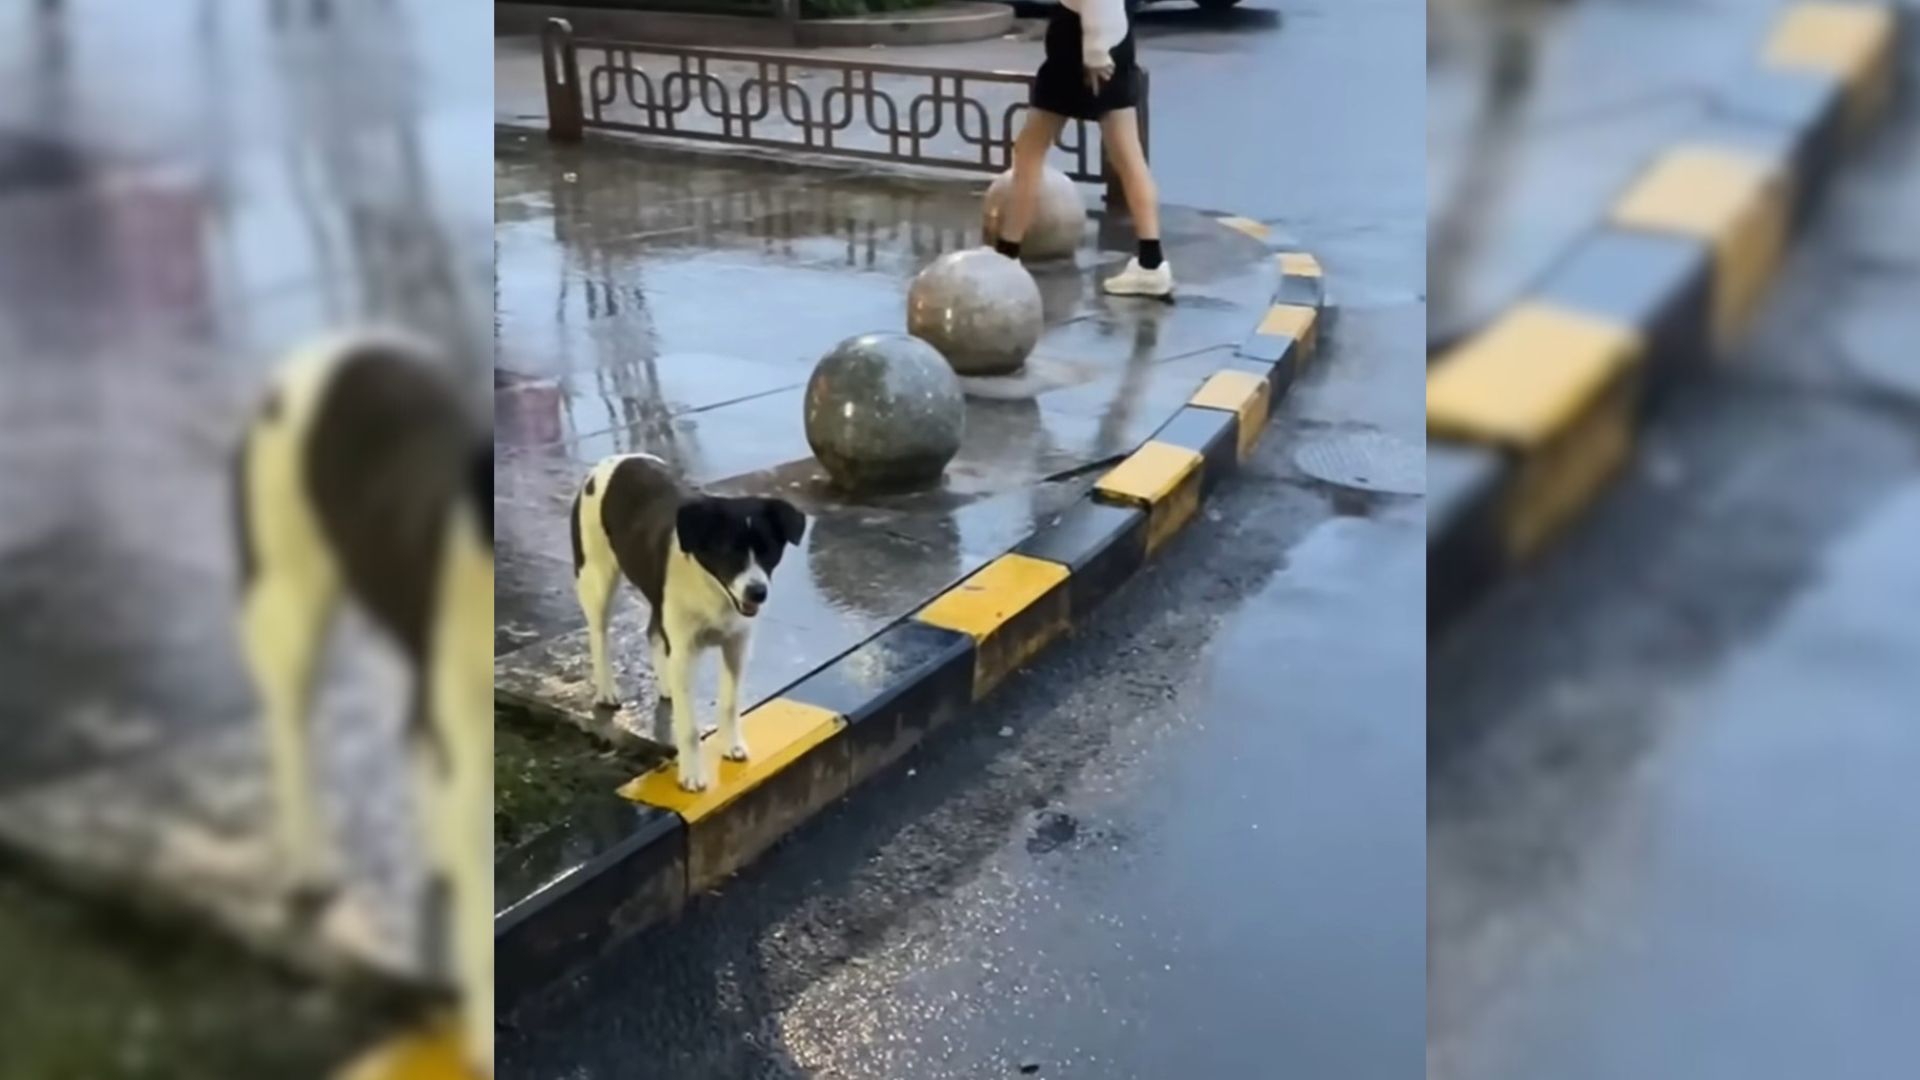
x,y
90,993
544,771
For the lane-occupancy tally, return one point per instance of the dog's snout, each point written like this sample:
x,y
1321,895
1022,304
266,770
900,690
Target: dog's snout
x,y
756,593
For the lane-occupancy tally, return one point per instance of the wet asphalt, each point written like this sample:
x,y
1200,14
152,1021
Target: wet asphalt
x,y
1189,838
1671,816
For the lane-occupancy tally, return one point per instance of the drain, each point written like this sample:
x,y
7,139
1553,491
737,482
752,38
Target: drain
x,y
1368,460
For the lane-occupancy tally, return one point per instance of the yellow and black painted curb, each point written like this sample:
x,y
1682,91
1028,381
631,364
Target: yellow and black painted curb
x,y
853,717
1531,418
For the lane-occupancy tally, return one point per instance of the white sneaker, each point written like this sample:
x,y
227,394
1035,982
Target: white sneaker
x,y
1137,280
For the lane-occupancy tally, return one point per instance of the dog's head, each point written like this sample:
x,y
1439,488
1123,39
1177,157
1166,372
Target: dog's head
x,y
739,542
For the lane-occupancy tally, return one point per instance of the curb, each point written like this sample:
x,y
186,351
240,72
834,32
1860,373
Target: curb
x,y
857,714
949,23
1531,418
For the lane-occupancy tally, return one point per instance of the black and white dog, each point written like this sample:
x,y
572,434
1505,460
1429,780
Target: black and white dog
x,y
360,474
702,563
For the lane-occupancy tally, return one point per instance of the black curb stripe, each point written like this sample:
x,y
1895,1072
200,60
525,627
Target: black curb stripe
x,y
892,691
1301,290
638,879
1659,282
1100,545
1214,434
1464,549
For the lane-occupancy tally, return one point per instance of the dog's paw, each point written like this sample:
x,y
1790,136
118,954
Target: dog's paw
x,y
692,782
737,752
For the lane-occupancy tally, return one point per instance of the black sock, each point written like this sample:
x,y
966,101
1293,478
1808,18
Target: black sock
x,y
1009,248
1150,257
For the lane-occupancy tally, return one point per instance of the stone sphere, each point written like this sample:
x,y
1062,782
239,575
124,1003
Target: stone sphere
x,y
884,412
979,308
1059,216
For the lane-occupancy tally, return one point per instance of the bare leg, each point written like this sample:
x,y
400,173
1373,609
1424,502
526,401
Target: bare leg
x,y
1120,131
1029,163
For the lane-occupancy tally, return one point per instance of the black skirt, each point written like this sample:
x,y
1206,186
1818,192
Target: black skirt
x,y
1061,85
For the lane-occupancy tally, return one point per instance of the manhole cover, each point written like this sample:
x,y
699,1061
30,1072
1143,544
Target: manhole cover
x,y
1368,460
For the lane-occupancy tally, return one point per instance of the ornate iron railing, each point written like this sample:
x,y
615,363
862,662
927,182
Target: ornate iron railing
x,y
940,117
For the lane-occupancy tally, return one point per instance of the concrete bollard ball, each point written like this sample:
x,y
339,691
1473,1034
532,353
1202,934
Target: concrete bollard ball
x,y
979,308
884,412
1059,216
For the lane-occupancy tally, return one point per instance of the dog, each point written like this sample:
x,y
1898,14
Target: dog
x,y
702,563
360,475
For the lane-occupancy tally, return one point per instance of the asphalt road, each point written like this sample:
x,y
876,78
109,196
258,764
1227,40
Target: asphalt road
x,y
1187,841
1671,816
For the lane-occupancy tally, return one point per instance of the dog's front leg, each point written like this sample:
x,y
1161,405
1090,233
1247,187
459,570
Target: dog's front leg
x,y
686,735
594,588
733,662
284,621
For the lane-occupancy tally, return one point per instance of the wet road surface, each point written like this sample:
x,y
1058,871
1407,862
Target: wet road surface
x,y
1671,820
1188,839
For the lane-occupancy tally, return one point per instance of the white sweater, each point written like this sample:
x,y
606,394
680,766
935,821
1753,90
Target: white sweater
x,y
1103,24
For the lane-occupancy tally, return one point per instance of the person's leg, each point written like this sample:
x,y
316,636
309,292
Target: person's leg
x,y
1120,132
1036,137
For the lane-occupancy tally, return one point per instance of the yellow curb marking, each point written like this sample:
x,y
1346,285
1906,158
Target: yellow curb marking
x,y
433,1054
1526,378
983,606
1161,478
1243,393
1248,226
778,732
1557,389
1852,42
1299,264
1735,202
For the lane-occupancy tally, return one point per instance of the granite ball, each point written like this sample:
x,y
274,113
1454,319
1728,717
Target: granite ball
x,y
884,412
979,308
1059,216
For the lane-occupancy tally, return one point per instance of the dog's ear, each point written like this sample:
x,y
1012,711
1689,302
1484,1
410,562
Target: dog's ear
x,y
696,522
788,522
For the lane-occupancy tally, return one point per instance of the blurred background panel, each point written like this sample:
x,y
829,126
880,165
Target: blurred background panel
x,y
1671,818
187,191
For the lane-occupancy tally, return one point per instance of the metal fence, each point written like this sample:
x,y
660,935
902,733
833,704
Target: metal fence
x,y
941,117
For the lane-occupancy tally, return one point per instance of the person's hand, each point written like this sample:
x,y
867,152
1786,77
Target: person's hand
x,y
1099,65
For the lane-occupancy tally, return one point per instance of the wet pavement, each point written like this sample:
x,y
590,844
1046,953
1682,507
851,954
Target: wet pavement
x,y
1188,838
1540,112
186,191
1670,818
